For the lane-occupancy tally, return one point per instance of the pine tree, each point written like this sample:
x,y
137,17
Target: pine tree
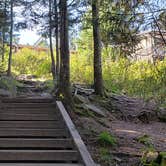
x,y
98,80
64,83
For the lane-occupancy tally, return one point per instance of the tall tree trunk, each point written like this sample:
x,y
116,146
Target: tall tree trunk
x,y
98,80
3,31
11,39
57,41
64,84
3,44
50,39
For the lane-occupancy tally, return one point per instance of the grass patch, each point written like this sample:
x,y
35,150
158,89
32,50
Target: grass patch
x,y
105,156
106,139
146,140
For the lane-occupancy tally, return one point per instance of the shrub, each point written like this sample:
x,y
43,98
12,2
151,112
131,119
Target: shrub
x,y
105,138
146,140
10,84
105,156
28,61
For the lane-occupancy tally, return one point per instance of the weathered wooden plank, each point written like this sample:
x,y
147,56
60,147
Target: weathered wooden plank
x,y
86,157
28,105
4,116
30,110
39,111
35,164
33,133
12,113
6,143
33,124
8,112
38,155
27,100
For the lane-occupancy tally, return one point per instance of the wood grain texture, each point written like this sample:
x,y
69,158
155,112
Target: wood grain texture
x,y
86,157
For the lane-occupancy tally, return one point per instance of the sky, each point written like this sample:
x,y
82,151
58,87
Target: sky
x,y
28,37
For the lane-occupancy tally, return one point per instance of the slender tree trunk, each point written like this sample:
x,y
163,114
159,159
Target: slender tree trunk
x,y
3,44
50,39
3,33
57,41
98,80
11,39
64,84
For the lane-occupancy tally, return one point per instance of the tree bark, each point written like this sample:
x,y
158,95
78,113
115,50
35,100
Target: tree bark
x,y
3,31
98,80
3,44
11,39
57,41
50,39
64,84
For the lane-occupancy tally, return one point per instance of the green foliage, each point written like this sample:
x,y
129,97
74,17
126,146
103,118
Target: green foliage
x,y
146,140
121,75
105,139
161,159
136,78
3,64
148,152
10,84
82,61
148,156
28,61
49,85
105,156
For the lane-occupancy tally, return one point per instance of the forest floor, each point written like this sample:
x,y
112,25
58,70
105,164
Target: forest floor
x,y
139,127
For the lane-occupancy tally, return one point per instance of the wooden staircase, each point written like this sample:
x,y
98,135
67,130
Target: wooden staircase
x,y
39,132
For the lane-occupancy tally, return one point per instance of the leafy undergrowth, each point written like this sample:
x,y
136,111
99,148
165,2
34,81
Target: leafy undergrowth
x,y
106,139
9,84
122,76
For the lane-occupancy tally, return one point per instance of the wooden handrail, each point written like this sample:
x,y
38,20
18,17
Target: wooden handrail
x,y
85,155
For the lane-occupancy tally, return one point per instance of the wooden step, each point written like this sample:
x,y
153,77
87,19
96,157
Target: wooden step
x,y
30,110
29,105
6,143
51,113
38,164
50,133
40,117
38,155
32,124
27,100
44,114
37,132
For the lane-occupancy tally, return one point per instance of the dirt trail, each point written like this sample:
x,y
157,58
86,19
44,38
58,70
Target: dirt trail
x,y
128,119
131,131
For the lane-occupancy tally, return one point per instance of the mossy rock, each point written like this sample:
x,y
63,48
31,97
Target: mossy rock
x,y
78,99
